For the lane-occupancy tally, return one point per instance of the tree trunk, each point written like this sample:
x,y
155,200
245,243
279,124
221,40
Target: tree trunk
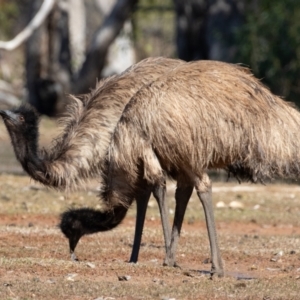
x,y
224,17
48,62
77,29
104,36
121,52
190,29
59,58
33,57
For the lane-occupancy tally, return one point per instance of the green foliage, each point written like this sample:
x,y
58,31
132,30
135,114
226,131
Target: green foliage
x,y
8,15
154,28
155,2
269,43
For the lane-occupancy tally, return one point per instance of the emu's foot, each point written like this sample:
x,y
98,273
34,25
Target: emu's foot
x,y
170,263
132,261
216,273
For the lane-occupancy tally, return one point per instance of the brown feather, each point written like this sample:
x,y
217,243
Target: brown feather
x,y
201,115
76,154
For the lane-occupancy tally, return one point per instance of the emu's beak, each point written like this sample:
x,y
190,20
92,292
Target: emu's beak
x,y
72,244
8,115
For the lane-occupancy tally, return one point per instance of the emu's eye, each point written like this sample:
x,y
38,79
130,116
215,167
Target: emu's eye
x,y
21,119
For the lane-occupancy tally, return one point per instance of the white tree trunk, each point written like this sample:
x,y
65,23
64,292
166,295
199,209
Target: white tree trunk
x,y
105,6
104,36
121,53
77,29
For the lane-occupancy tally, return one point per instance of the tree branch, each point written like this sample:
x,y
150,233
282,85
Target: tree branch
x,y
30,28
77,29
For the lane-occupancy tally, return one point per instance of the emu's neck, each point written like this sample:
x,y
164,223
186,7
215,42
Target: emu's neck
x,y
27,153
103,221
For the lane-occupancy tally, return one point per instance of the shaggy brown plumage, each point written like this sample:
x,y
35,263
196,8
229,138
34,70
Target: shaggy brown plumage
x,y
202,115
76,155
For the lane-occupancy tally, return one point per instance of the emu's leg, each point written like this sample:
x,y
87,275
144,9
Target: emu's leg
x,y
204,192
159,193
141,202
182,196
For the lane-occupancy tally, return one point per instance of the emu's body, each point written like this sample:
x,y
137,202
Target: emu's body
x,y
202,115
77,154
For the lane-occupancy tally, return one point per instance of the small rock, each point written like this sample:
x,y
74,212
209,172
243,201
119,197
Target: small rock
x,y
277,257
124,278
256,207
151,203
220,204
71,276
236,205
92,266
50,281
253,267
7,284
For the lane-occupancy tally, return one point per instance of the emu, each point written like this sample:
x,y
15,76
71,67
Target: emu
x,y
199,116
77,153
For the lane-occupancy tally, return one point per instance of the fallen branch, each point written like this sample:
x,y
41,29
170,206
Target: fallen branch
x,y
30,28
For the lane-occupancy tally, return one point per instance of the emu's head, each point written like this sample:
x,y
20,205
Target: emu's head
x,y
74,225
22,121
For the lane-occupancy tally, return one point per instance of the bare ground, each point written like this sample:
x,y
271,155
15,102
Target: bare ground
x,y
259,244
